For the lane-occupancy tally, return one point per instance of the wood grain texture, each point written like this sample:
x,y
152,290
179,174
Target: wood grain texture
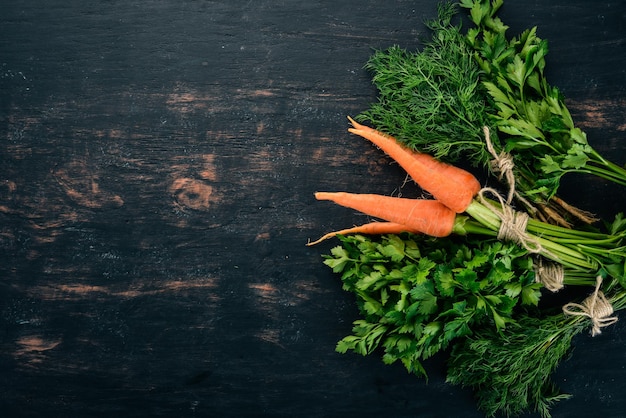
x,y
158,163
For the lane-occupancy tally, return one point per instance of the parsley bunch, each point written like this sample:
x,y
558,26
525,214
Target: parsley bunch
x,y
537,126
417,295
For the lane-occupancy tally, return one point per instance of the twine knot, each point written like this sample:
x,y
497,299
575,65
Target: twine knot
x,y
512,223
596,307
502,164
549,274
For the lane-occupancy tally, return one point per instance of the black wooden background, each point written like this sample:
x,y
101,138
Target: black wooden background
x,y
158,163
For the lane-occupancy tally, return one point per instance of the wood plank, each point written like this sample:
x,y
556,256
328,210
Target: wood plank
x,y
158,164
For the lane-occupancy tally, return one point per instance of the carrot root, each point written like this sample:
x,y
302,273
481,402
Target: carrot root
x,y
372,228
429,217
452,186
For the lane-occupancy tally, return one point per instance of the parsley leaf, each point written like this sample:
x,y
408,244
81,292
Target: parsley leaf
x,y
412,307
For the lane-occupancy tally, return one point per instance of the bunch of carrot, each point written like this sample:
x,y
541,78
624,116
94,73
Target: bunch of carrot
x,y
453,190
459,206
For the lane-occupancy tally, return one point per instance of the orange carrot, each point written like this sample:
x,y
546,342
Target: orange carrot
x,y
452,186
429,217
372,228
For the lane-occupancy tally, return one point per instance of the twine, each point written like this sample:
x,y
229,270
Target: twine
x,y
549,274
596,307
512,223
502,164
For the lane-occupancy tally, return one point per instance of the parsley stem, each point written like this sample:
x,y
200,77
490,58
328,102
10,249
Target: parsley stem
x,y
606,170
569,255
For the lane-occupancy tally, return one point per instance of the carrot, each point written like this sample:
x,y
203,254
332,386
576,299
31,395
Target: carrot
x,y
372,228
429,217
452,186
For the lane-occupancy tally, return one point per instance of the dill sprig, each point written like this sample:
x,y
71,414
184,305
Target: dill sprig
x,y
432,100
529,352
510,370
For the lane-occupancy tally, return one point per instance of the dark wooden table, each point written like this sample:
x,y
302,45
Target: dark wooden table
x,y
158,164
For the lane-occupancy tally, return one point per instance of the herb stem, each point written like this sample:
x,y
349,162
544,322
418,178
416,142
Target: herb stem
x,y
567,254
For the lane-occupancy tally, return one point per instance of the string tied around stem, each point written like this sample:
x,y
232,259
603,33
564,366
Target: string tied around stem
x,y
503,165
596,307
513,228
549,274
512,223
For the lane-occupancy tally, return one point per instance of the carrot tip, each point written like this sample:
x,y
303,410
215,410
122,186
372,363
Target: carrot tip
x,y
324,195
323,238
355,123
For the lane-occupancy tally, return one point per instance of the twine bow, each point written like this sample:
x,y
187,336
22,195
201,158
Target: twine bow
x,y
596,307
